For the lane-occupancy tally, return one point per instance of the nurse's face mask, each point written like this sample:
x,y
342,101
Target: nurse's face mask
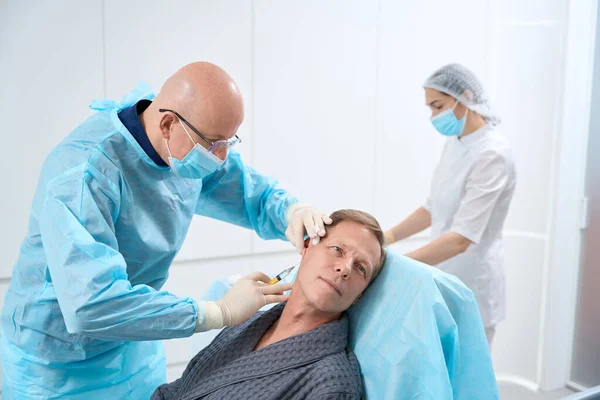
x,y
199,162
447,124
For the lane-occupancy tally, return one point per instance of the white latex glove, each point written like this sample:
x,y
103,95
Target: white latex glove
x,y
302,219
244,299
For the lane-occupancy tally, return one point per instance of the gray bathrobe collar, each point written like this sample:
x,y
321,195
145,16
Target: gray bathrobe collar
x,y
228,367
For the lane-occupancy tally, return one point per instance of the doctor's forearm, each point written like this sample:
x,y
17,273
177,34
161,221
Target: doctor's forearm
x,y
443,248
413,224
137,314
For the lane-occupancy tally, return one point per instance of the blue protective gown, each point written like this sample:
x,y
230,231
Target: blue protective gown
x,y
84,313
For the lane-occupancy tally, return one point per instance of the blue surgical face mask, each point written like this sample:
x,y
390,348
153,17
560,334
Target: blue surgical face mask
x,y
197,164
447,124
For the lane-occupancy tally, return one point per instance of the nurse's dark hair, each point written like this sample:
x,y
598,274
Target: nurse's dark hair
x,y
369,222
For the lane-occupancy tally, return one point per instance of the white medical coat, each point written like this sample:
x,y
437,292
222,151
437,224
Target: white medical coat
x,y
471,191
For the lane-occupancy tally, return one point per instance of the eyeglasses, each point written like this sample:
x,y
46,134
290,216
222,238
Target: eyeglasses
x,y
212,144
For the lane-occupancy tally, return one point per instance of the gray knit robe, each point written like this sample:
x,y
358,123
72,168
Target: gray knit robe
x,y
314,365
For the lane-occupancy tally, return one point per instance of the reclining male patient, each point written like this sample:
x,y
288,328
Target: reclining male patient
x,y
297,349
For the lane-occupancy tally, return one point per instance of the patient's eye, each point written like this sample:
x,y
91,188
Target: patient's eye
x,y
362,269
337,250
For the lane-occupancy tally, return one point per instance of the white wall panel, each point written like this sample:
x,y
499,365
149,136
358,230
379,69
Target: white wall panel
x,y
516,344
565,235
528,75
174,372
150,40
177,351
314,79
531,10
50,69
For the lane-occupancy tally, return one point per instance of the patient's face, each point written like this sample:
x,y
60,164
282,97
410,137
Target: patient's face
x,y
335,272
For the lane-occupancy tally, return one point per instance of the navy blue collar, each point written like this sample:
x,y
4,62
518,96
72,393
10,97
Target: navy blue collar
x,y
130,117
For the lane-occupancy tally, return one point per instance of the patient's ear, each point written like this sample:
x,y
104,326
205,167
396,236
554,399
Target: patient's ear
x,y
306,244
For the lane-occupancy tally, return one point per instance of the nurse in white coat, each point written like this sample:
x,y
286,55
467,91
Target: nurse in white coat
x,y
471,191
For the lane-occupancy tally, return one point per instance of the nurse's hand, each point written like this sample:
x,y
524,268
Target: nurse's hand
x,y
302,219
247,296
389,237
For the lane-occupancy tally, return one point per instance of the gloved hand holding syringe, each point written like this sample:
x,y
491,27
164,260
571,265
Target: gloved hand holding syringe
x,y
249,294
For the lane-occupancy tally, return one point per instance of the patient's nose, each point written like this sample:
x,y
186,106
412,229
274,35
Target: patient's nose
x,y
344,268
